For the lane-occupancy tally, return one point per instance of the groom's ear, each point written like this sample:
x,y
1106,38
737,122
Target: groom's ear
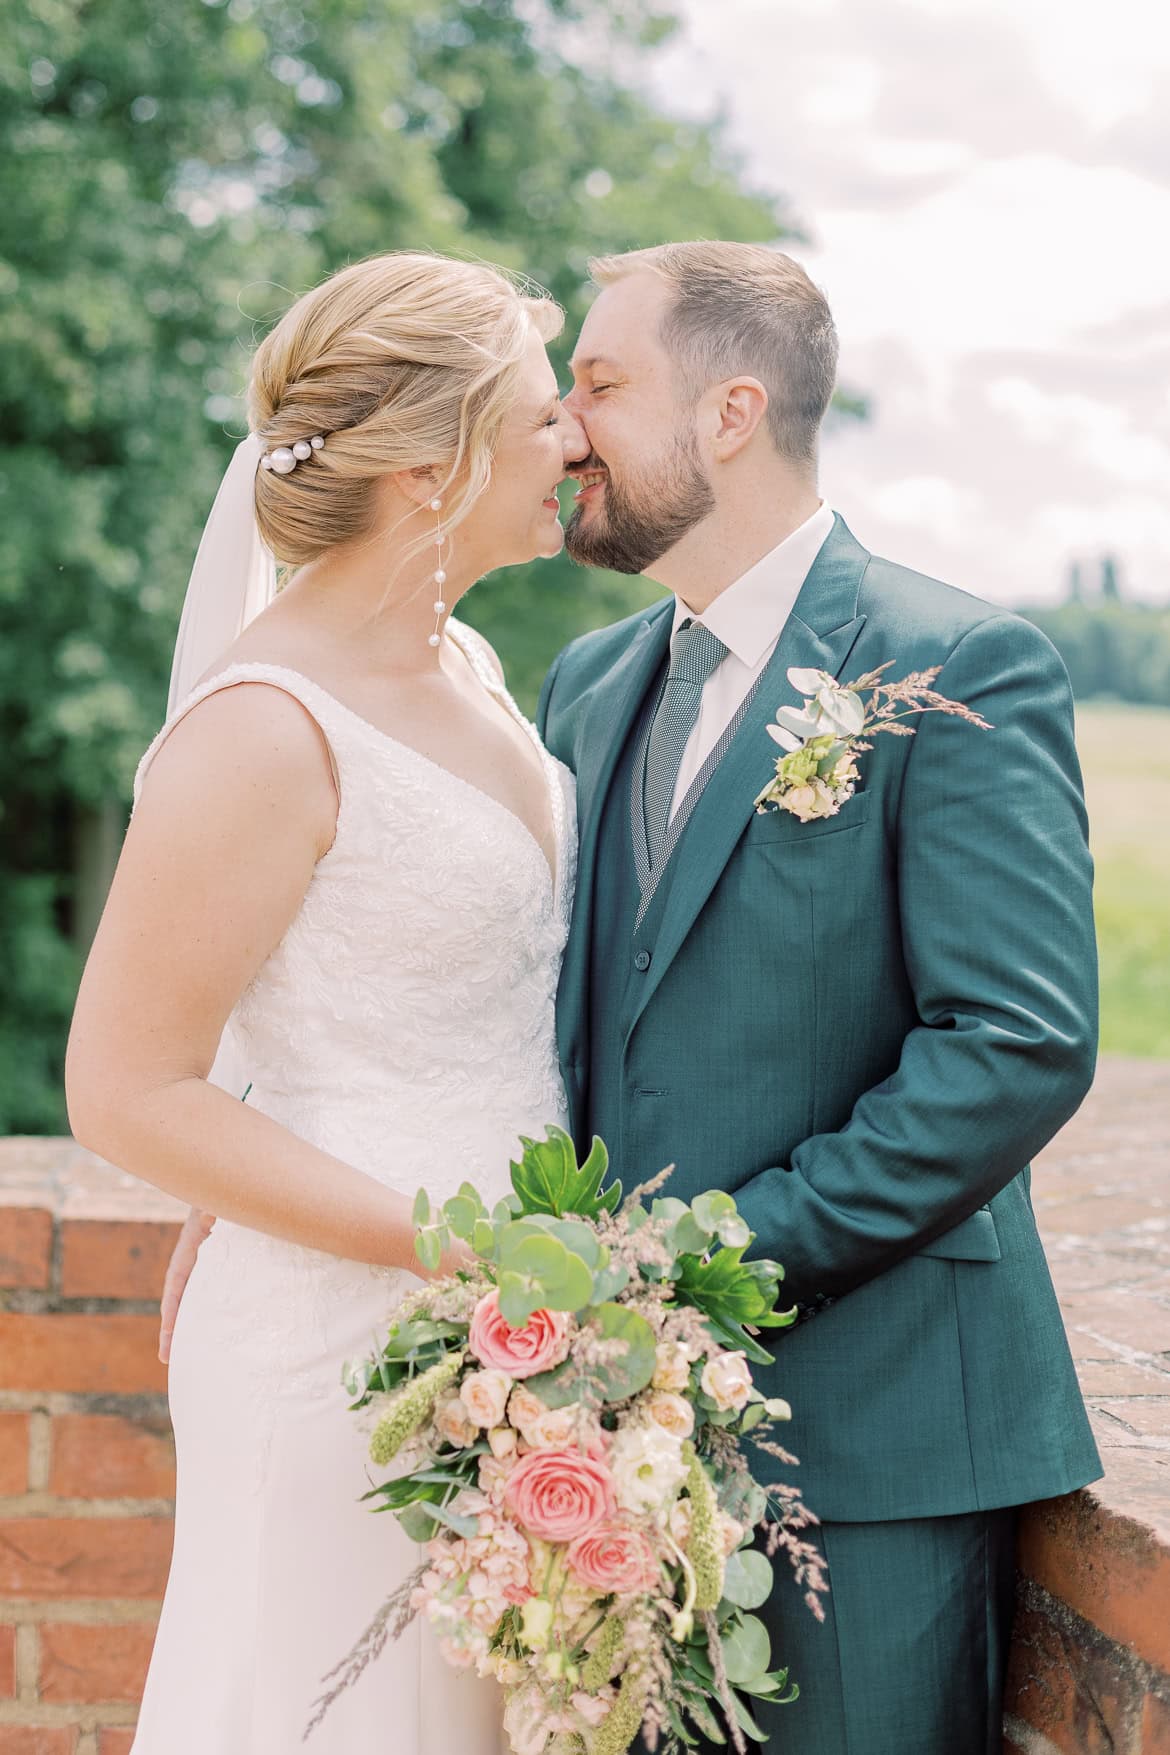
x,y
737,408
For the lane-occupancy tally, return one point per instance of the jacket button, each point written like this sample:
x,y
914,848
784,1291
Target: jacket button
x,y
642,961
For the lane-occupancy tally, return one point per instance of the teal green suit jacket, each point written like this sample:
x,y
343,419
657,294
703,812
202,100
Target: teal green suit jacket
x,y
864,1027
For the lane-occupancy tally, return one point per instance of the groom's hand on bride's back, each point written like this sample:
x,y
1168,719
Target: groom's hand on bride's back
x,y
196,1227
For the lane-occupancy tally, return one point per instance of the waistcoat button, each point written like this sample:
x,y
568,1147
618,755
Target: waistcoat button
x,y
642,961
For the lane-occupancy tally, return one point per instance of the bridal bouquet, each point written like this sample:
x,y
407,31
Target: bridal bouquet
x,y
564,1425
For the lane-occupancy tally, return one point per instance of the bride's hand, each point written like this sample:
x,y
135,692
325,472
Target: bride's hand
x,y
196,1228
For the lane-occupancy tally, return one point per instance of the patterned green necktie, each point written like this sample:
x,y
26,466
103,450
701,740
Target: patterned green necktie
x,y
695,653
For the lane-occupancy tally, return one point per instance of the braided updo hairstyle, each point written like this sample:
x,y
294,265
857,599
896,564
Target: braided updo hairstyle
x,y
401,361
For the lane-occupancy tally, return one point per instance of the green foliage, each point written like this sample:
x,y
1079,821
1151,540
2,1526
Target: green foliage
x,y
171,177
731,1292
547,1179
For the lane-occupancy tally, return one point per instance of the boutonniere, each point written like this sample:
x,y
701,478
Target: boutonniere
x,y
823,738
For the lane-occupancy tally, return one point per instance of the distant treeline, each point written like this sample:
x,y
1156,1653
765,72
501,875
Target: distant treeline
x,y
1116,650
1113,647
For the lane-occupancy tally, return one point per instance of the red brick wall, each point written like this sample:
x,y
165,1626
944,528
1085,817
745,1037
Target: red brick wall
x,y
86,1458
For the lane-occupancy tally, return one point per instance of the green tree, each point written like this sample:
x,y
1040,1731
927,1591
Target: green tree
x,y
170,178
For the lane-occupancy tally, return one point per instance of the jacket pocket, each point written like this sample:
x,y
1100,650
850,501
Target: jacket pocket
x,y
973,1239
781,825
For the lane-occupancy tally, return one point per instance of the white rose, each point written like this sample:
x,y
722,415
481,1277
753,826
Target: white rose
x,y
672,1368
727,1380
672,1413
647,1467
452,1423
485,1396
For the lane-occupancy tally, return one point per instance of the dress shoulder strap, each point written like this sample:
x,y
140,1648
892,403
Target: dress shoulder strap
x,y
326,713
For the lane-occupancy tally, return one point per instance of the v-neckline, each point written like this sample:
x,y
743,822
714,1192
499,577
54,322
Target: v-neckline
x,y
498,690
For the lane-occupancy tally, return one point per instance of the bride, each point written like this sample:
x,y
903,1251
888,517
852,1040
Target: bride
x,y
349,872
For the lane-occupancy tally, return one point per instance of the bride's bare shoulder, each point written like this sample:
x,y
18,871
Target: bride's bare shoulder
x,y
250,739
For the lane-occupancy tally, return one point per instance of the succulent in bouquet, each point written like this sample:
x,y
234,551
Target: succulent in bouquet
x,y
565,1425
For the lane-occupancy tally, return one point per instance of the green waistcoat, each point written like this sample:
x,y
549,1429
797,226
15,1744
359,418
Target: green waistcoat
x,y
863,1026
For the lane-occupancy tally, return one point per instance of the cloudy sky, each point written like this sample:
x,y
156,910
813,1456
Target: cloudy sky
x,y
986,188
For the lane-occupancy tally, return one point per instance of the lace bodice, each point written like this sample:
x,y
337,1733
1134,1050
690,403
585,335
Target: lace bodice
x,y
405,1022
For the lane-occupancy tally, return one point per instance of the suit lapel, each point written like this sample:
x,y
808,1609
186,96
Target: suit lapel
x,y
602,738
819,635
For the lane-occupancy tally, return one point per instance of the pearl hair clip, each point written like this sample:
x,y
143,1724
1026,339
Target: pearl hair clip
x,y
286,457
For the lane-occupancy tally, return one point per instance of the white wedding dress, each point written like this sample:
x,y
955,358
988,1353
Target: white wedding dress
x,y
405,1025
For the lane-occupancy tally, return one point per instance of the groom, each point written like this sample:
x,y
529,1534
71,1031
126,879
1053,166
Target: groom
x,y
865,1025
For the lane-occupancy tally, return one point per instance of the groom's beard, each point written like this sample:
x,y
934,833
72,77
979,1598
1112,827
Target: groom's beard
x,y
633,526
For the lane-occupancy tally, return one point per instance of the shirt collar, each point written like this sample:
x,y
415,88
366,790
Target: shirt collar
x,y
749,615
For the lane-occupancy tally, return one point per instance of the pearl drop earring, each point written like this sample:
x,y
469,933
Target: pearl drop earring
x,y
439,576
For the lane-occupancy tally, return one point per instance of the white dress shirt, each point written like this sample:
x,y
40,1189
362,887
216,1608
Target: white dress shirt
x,y
749,618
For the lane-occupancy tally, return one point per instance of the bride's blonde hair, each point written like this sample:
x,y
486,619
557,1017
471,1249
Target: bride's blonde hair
x,y
401,361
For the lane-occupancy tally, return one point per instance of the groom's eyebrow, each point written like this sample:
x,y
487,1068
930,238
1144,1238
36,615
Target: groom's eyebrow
x,y
597,359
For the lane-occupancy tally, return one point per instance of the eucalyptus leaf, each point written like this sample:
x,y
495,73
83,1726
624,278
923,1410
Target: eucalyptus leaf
x,y
733,1231
558,1387
483,1238
428,1248
626,1375
461,1524
421,1211
747,1650
518,1298
417,1522
608,1282
461,1214
748,1578
709,1208
687,1236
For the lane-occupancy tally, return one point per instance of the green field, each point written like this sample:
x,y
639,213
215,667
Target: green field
x,y
1125,752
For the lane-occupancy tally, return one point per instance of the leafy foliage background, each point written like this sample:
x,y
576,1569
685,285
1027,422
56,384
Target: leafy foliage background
x,y
170,178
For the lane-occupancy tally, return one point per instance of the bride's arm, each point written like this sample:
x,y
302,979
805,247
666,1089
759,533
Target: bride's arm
x,y
235,812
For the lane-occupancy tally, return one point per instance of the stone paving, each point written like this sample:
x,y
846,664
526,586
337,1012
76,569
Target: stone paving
x,y
1102,1198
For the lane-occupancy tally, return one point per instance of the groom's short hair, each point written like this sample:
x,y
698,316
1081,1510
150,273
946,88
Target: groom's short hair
x,y
745,308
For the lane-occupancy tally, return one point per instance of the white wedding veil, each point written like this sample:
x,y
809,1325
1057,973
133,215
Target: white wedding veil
x,y
233,579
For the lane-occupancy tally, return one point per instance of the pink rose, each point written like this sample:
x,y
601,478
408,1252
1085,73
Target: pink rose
x,y
542,1343
559,1494
616,1558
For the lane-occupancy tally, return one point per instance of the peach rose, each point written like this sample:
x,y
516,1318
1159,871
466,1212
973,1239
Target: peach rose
x,y
502,1441
542,1343
485,1396
559,1494
672,1413
727,1380
452,1423
672,1366
614,1558
525,1409
731,1531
